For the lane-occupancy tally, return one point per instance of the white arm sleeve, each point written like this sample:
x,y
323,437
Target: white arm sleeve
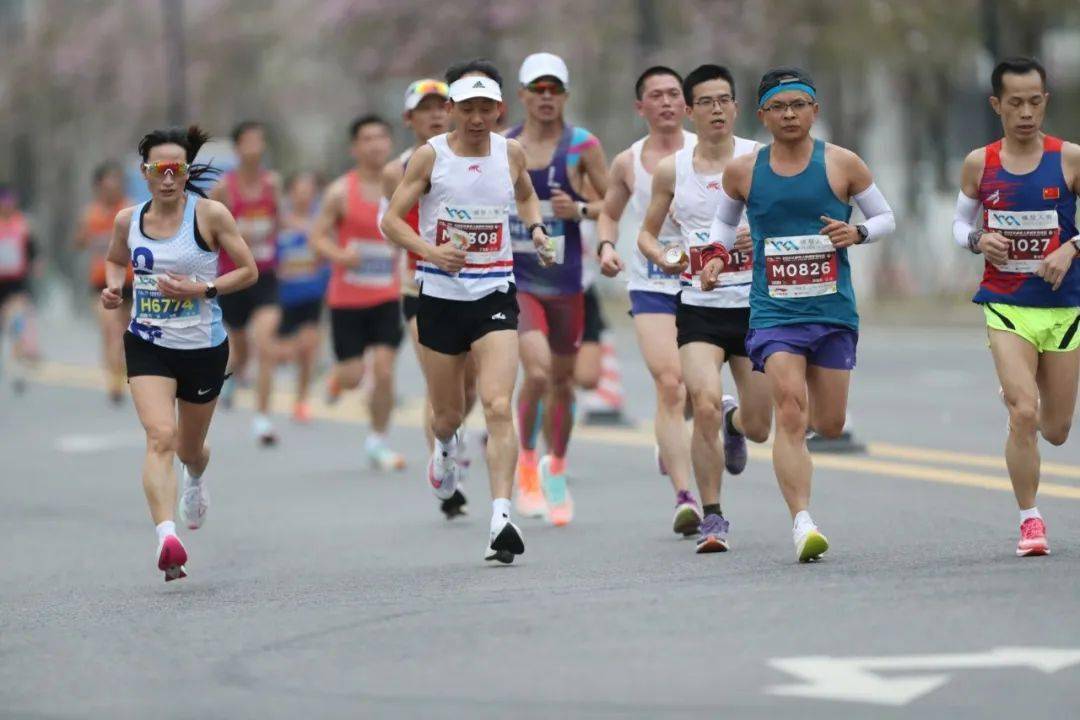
x,y
880,220
967,212
729,212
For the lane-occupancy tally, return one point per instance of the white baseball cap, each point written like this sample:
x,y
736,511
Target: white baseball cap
x,y
543,64
475,86
420,89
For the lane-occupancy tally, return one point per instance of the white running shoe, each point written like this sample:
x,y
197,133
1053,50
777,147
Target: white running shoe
x,y
194,501
505,542
263,430
443,474
810,544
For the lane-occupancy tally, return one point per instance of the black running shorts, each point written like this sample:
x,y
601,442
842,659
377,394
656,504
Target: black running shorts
x,y
199,373
238,307
354,330
594,317
410,305
294,317
452,326
725,328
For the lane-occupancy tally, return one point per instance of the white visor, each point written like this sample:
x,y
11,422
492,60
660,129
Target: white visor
x,y
475,86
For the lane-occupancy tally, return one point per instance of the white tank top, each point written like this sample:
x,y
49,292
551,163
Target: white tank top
x,y
693,208
644,275
468,205
178,324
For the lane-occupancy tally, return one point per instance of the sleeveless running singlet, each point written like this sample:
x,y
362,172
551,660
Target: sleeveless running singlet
x,y
376,280
468,206
97,223
693,208
302,276
799,278
14,247
1037,212
178,324
644,275
565,276
257,219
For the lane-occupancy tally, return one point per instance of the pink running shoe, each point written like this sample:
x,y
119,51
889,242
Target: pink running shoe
x,y
171,558
1032,538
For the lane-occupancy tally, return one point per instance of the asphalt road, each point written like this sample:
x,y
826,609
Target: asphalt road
x,y
319,588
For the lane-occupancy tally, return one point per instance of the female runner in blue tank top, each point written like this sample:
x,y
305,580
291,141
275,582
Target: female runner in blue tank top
x,y
803,323
302,281
176,348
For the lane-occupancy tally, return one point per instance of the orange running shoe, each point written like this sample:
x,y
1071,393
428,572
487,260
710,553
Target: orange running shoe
x,y
530,500
301,413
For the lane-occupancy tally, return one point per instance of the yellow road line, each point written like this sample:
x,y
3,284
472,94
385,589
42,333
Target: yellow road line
x,y
949,457
411,415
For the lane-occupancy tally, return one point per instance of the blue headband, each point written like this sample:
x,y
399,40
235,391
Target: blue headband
x,y
786,87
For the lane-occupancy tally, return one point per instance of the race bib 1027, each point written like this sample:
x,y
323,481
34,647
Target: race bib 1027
x,y
1032,234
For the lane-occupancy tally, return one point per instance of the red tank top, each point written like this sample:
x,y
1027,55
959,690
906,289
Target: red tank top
x,y
257,218
14,247
375,281
413,218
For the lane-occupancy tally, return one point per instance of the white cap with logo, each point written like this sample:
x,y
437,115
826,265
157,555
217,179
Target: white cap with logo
x,y
543,64
475,86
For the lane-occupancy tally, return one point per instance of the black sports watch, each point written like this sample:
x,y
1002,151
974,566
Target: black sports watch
x,y
863,234
211,291
540,225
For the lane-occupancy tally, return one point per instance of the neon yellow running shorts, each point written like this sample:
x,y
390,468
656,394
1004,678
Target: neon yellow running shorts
x,y
1048,329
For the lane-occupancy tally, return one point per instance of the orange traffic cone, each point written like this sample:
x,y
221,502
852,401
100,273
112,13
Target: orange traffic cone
x,y
604,405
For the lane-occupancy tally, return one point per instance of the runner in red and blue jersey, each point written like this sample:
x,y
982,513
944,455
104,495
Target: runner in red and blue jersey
x,y
551,299
253,195
1024,187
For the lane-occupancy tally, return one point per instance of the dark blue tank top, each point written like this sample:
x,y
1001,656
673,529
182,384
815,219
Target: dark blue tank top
x,y
559,279
1037,211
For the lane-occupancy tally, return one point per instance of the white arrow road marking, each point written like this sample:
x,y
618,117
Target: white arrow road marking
x,y
855,679
98,443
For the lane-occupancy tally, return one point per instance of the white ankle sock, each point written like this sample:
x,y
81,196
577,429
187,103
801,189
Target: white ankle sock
x,y
374,440
500,512
195,479
1028,514
803,521
448,448
166,529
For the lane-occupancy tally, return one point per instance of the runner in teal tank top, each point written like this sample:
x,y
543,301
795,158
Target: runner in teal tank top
x,y
803,322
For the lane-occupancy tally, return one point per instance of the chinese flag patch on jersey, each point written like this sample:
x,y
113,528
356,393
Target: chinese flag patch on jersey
x,y
1051,193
